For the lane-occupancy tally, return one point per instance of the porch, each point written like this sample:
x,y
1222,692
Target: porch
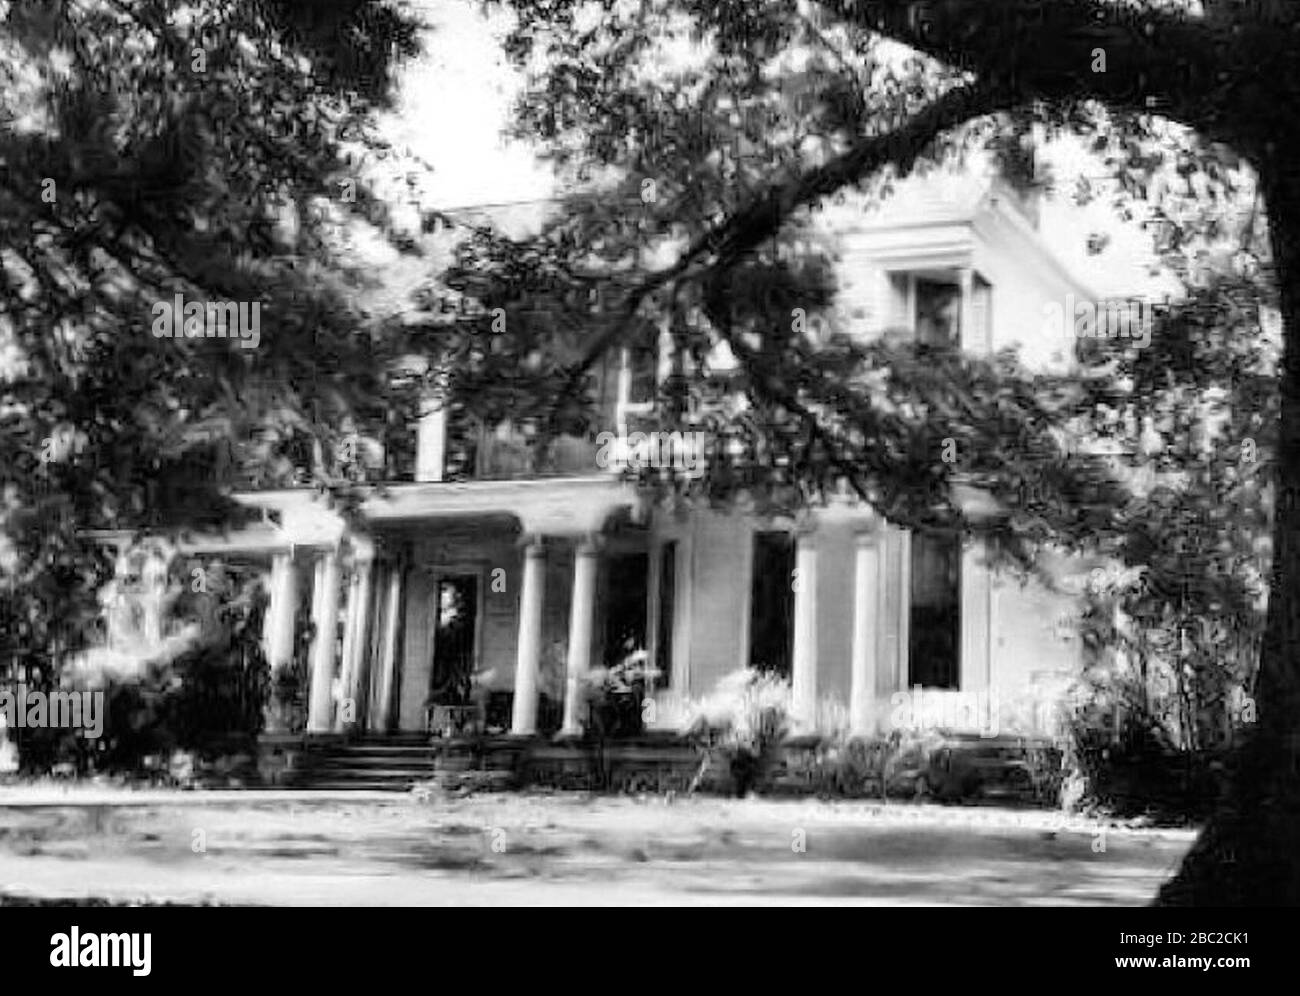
x,y
459,601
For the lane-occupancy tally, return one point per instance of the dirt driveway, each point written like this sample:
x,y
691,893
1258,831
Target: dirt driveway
x,y
363,850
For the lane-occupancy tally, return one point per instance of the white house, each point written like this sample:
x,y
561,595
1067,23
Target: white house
x,y
527,581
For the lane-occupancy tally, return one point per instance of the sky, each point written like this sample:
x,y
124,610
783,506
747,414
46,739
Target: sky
x,y
454,103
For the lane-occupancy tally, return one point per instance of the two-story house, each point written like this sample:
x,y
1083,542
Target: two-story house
x,y
520,582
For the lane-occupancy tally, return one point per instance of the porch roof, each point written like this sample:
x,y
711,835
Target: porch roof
x,y
544,505
556,505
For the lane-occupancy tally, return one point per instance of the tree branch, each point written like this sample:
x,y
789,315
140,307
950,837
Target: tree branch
x,y
1155,60
727,241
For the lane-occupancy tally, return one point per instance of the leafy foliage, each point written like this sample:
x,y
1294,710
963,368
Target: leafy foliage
x,y
150,151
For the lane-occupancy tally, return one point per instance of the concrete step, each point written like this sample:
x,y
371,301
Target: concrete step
x,y
367,769
342,772
352,775
334,785
374,756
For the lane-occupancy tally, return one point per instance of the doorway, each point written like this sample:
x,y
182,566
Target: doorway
x,y
625,598
771,612
455,626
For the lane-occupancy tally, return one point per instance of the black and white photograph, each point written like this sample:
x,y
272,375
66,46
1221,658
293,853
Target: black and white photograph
x,y
649,453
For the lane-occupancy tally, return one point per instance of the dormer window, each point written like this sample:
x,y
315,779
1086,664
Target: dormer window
x,y
938,314
934,305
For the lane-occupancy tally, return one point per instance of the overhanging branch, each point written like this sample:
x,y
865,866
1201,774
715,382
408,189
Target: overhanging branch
x,y
724,243
1167,61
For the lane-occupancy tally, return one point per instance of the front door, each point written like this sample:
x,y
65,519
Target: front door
x,y
625,605
455,622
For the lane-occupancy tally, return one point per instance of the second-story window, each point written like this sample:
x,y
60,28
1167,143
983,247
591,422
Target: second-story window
x,y
638,380
938,314
642,364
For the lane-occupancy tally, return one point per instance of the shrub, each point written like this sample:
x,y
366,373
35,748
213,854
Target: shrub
x,y
744,718
894,764
201,690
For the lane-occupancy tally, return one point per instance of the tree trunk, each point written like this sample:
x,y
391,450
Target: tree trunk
x,y
1249,852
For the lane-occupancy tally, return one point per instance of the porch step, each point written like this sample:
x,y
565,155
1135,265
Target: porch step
x,y
498,762
364,755
390,740
373,763
358,785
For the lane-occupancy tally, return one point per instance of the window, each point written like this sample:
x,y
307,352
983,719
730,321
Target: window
x,y
642,375
134,600
638,378
938,314
771,605
664,620
934,628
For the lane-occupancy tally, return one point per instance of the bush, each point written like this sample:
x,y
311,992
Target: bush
x,y
205,691
894,764
744,719
1120,758
918,763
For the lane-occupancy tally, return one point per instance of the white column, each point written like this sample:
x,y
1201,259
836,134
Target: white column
x,y
581,612
153,583
355,636
380,713
524,718
431,436
967,335
973,591
351,583
804,665
901,580
324,615
866,622
278,625
280,611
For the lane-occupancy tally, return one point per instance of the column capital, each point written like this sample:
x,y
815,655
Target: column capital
x,y
533,544
807,537
866,533
806,522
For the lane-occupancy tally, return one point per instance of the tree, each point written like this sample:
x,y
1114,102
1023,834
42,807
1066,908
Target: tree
x,y
846,116
209,151
1197,408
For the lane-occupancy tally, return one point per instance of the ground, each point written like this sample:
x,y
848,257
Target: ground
x,y
533,849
